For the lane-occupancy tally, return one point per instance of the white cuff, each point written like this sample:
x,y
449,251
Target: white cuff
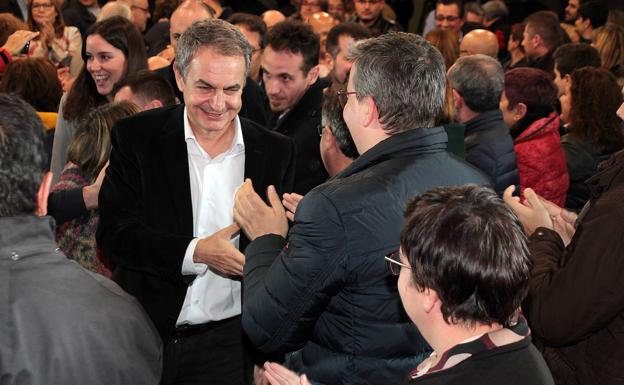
x,y
188,266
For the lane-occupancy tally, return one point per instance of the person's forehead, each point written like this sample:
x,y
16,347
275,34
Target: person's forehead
x,y
285,61
252,36
447,9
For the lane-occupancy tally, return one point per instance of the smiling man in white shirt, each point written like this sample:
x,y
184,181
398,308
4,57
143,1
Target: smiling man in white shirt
x,y
166,206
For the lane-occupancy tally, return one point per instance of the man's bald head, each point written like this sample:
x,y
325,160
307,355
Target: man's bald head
x,y
321,23
479,41
272,17
186,14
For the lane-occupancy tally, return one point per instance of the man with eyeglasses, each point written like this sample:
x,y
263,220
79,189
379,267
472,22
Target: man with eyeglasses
x,y
449,15
369,13
140,13
321,293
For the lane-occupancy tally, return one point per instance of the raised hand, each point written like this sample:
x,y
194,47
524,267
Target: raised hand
x,y
255,217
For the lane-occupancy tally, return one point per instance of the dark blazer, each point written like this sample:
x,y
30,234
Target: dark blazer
x,y
146,218
302,124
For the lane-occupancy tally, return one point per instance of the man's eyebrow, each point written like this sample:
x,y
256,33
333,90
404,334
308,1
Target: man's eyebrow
x,y
233,87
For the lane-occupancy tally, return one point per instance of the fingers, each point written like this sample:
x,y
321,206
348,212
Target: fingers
x,y
533,199
278,374
512,201
274,200
569,216
229,232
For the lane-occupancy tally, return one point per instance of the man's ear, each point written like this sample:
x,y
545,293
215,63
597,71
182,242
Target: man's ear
x,y
179,78
371,114
42,194
312,75
458,101
537,40
153,104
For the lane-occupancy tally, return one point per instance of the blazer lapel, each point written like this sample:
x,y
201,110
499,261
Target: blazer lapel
x,y
176,171
254,158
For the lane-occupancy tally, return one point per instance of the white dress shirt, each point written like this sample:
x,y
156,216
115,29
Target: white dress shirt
x,y
211,296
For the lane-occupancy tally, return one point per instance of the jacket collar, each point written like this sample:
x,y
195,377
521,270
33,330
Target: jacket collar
x,y
609,172
408,143
309,104
26,235
540,127
484,121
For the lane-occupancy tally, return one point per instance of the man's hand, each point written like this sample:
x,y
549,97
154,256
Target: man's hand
x,y
532,213
219,253
18,40
255,217
279,375
564,220
290,202
258,376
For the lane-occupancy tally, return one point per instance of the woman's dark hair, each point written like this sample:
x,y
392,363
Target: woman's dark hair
x,y
59,23
121,34
517,34
34,80
535,89
480,269
595,97
90,148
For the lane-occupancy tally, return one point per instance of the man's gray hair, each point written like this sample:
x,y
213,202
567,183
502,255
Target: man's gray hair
x,y
479,79
219,35
404,74
493,9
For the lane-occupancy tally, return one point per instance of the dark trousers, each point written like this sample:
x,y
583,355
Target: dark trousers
x,y
212,354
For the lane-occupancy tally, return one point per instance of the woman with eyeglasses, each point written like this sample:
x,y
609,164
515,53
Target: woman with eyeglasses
x,y
56,41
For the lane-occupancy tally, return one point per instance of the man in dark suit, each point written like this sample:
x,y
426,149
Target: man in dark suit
x,y
166,205
290,77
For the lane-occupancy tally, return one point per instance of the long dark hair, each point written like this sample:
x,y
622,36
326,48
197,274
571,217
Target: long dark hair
x,y
121,34
595,97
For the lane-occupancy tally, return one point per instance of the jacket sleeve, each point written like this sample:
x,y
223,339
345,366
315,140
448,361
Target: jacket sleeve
x,y
63,134
123,233
578,290
288,285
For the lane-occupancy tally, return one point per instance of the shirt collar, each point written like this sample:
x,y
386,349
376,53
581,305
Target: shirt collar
x,y
237,146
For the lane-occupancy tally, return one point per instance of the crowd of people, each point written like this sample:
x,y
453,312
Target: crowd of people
x,y
301,192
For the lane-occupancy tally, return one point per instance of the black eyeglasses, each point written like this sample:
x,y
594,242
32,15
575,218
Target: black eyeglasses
x,y
394,263
450,18
343,97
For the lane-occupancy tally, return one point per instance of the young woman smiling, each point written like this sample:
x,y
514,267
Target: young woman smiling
x,y
113,49
56,41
